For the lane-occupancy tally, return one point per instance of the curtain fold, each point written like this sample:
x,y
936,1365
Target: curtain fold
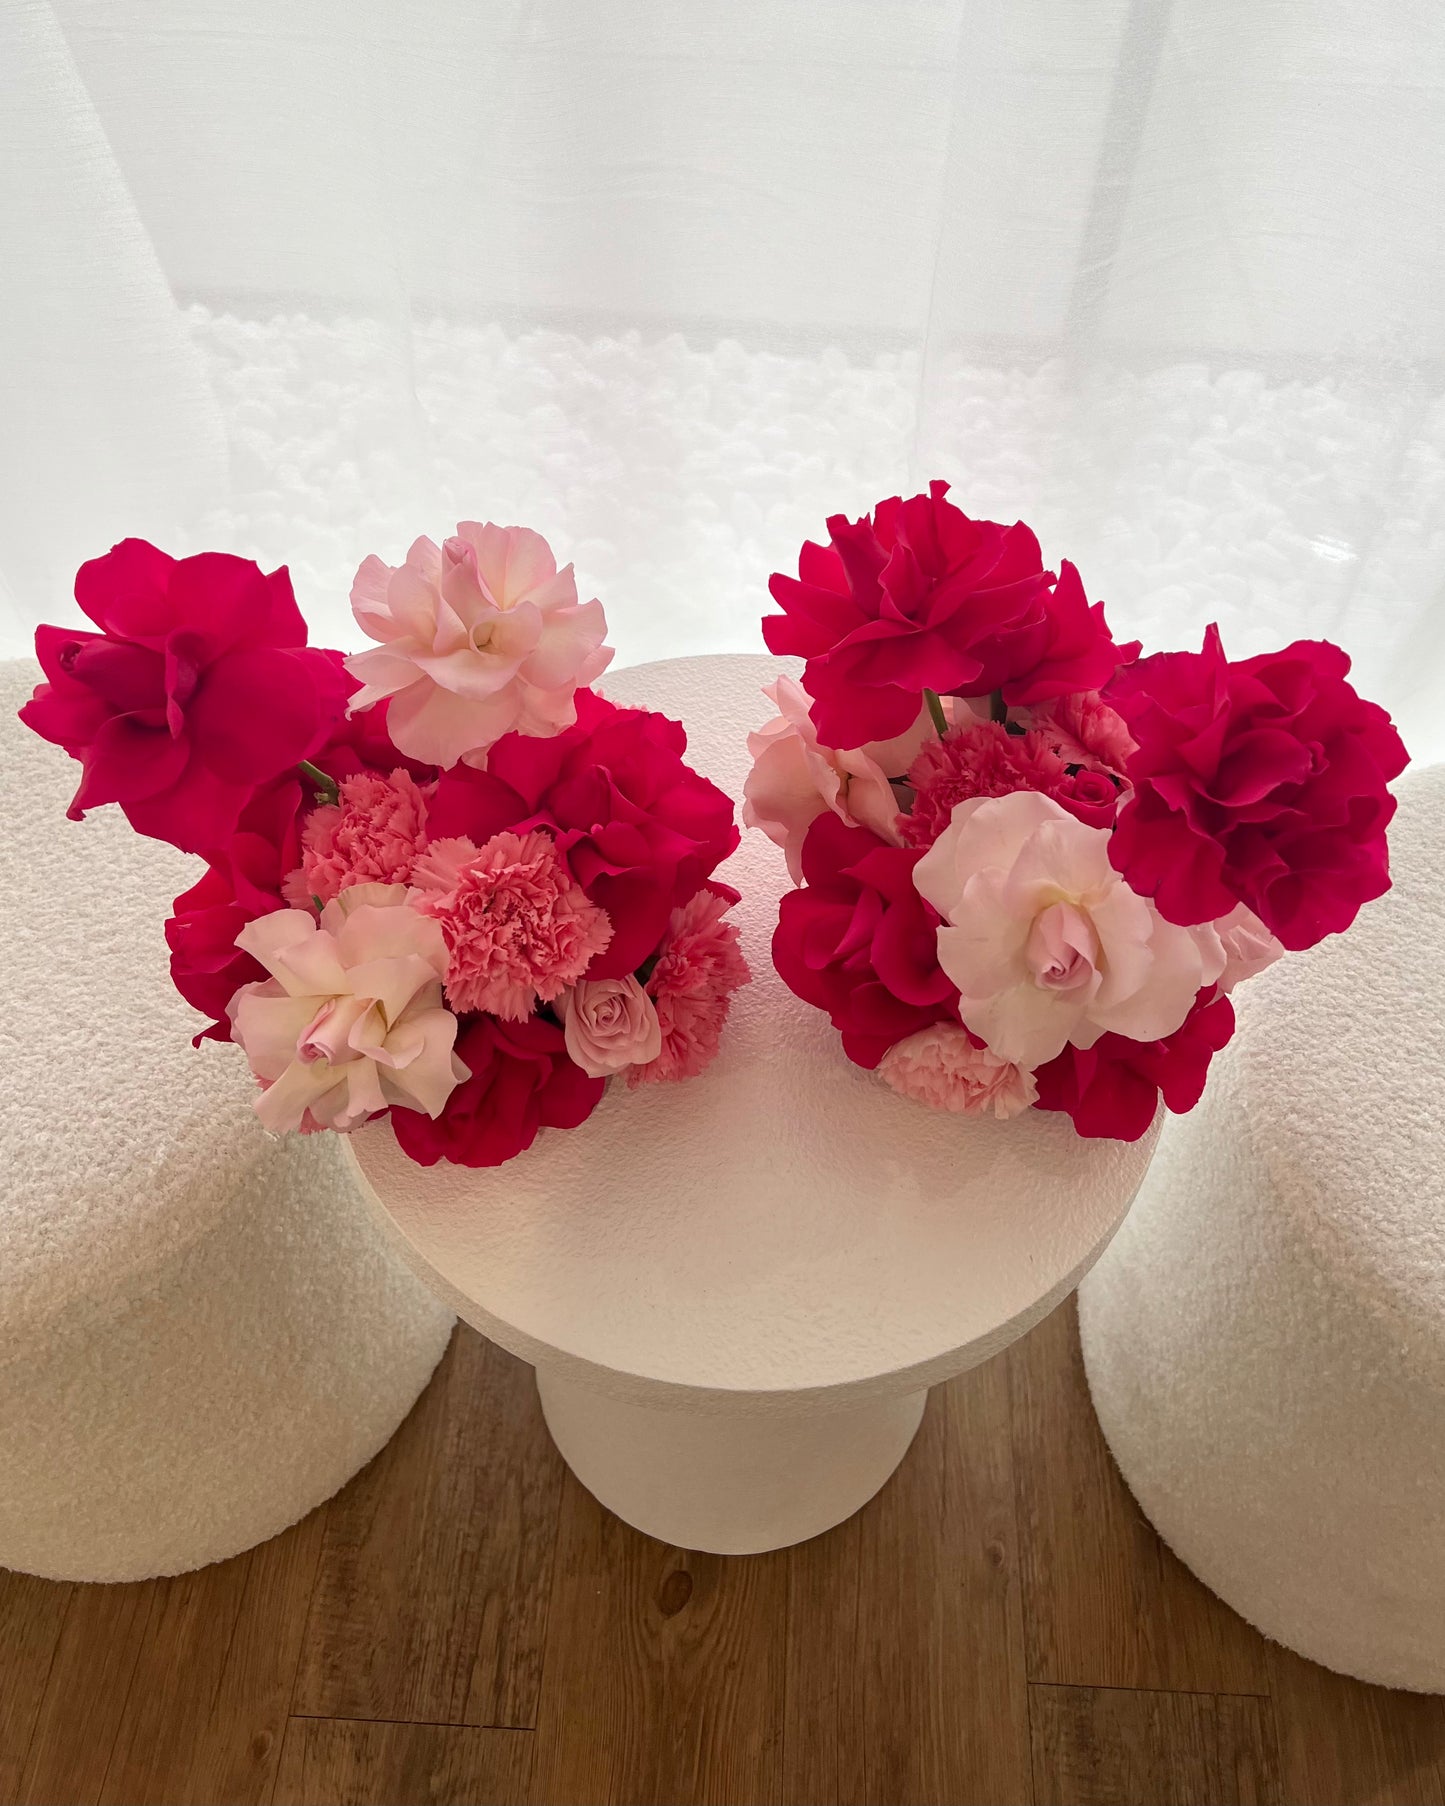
x,y
672,282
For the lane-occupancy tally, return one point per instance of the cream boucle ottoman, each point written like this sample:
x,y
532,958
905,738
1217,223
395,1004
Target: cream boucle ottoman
x,y
201,1333
1265,1338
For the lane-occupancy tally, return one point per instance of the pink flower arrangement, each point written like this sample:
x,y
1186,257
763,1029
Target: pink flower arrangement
x,y
463,895
1046,898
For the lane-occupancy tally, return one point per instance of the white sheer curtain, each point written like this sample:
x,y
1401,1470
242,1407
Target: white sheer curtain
x,y
671,281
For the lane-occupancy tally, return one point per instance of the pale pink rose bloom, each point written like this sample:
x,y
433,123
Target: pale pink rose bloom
x,y
941,1067
794,779
1249,947
609,1023
1045,941
1083,729
351,1019
518,926
700,966
371,836
477,637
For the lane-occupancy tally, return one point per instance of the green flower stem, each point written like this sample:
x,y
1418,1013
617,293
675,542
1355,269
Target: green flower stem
x,y
997,707
327,790
935,709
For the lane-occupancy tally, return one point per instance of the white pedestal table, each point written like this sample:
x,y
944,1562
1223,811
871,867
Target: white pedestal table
x,y
738,1290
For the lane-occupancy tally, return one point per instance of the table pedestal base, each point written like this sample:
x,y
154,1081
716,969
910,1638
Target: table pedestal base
x,y
730,1483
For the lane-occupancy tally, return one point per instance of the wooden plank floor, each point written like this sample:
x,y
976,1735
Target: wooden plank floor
x,y
463,1623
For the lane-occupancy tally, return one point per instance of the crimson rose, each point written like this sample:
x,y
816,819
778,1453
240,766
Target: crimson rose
x,y
1260,782
198,689
919,596
521,1081
641,831
1112,1089
859,942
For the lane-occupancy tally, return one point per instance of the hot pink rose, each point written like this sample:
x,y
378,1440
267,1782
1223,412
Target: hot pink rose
x,y
1077,651
517,924
1045,941
1112,1089
697,971
1262,782
371,836
351,1019
521,1082
945,1068
859,941
915,597
794,779
478,638
609,1023
921,597
198,689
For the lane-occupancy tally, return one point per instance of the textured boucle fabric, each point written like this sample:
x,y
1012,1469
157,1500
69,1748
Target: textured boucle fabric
x,y
202,1334
1265,1338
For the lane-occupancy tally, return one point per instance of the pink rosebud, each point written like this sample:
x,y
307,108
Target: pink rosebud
x,y
478,637
944,1068
610,1023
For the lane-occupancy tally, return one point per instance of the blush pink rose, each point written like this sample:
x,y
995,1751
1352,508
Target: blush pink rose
x,y
351,1019
699,968
609,1024
517,924
371,836
478,637
1047,945
794,779
943,1068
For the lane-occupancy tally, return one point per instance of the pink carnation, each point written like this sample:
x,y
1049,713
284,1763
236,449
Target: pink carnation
x,y
982,760
372,836
1083,730
699,968
517,924
944,1068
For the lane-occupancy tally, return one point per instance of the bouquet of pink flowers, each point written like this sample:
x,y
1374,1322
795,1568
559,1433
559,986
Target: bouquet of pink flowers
x,y
444,878
1032,865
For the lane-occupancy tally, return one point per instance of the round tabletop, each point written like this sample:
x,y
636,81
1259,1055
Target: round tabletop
x,y
782,1230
